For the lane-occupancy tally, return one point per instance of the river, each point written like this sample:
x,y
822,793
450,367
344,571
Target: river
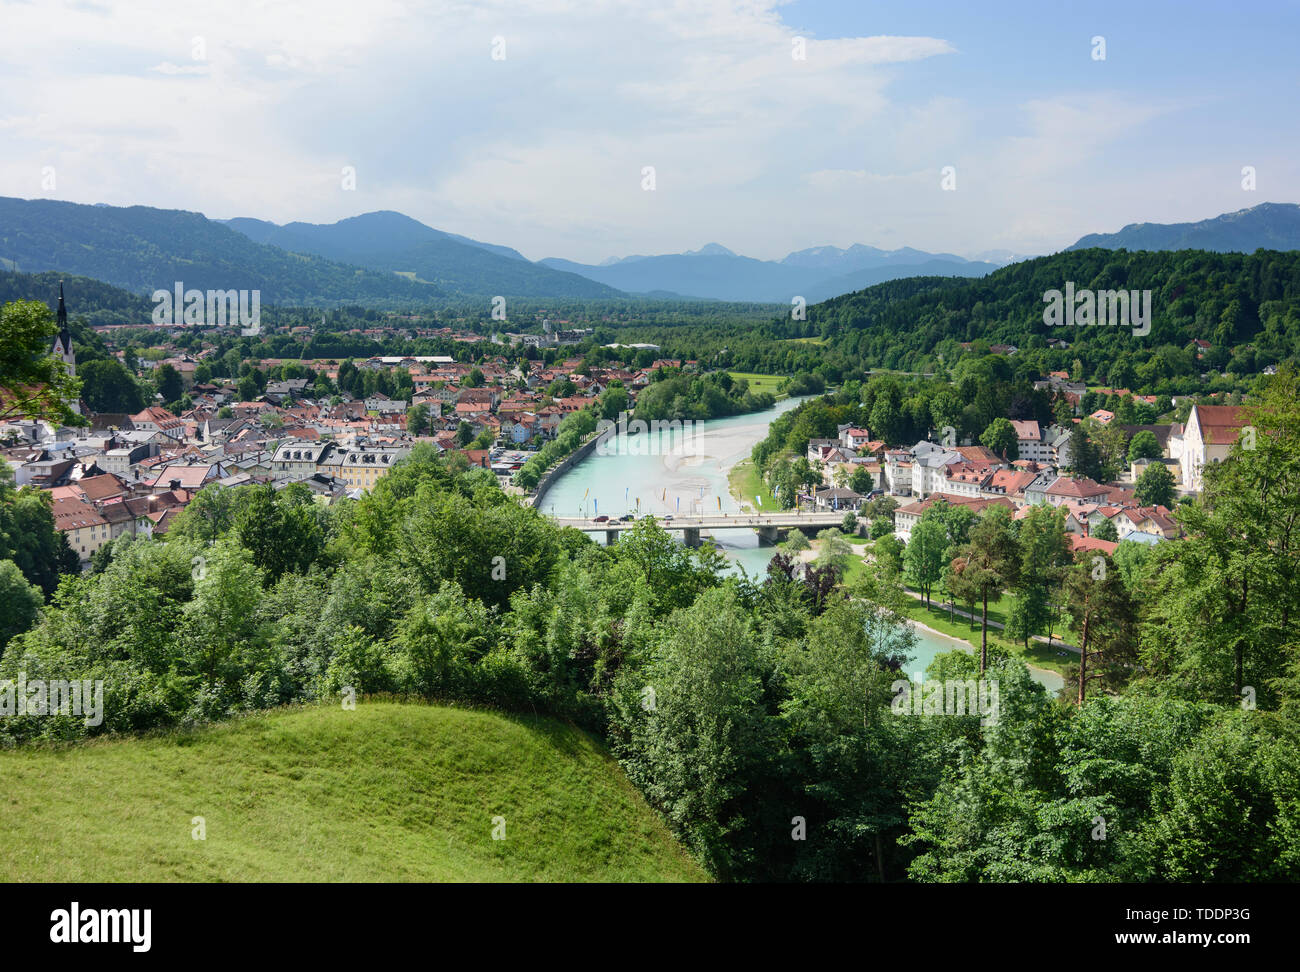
x,y
663,478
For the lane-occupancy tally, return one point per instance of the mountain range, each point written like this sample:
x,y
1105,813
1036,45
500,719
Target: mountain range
x,y
1270,226
815,274
385,259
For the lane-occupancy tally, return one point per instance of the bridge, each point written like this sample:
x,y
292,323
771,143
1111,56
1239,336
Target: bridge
x,y
767,525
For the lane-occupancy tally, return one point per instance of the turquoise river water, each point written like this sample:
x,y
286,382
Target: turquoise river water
x,y
681,472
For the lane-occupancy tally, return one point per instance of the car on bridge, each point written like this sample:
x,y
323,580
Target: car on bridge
x,y
602,519
626,518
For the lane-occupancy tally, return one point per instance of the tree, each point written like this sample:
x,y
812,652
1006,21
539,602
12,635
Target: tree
x,y
861,482
1000,436
1144,445
1224,600
1104,616
850,523
1085,458
417,419
474,379
34,384
281,530
1106,530
986,565
835,549
1155,487
923,555
614,401
169,382
888,552
1044,553
106,386
20,602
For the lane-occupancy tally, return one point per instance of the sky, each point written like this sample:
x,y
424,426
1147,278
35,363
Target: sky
x,y
533,124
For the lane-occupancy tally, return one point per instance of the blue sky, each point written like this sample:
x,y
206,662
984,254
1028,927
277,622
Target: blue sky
x,y
245,109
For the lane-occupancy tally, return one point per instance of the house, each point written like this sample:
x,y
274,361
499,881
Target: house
x,y
158,419
854,438
1211,432
906,517
1010,483
296,459
1031,440
81,523
1153,520
361,468
184,476
1075,490
836,498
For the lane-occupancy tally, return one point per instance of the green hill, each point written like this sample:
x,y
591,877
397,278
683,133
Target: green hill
x,y
392,242
387,792
142,249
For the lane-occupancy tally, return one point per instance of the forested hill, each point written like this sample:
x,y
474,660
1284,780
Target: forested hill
x,y
389,241
142,249
92,300
1246,305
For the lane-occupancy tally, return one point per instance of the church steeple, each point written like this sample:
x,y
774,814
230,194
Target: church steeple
x,y
63,343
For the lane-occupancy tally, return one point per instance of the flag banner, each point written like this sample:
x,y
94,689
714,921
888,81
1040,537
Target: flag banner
x,y
758,500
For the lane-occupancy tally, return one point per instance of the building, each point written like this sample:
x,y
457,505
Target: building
x,y
906,517
62,345
1209,436
81,523
1032,441
296,459
361,468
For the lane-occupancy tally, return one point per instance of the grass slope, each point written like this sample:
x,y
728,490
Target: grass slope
x,y
387,792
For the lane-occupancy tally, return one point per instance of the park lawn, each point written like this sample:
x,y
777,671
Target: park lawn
x,y
386,792
761,383
1038,654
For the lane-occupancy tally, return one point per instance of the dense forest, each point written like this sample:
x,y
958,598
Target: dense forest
x,y
1246,306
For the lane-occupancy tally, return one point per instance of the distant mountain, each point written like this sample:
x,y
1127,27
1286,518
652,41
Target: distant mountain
x,y
1272,226
392,242
142,249
861,279
717,273
861,257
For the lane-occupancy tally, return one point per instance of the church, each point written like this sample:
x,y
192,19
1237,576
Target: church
x,y
62,346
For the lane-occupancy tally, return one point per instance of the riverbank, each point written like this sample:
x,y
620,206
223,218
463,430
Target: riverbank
x,y
747,487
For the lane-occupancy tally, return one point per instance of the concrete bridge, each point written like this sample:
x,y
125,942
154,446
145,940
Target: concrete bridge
x,y
767,525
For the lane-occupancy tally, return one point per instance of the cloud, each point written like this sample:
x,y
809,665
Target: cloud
x,y
248,108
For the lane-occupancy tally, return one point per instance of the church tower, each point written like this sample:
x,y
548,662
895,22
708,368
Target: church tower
x,y
63,344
